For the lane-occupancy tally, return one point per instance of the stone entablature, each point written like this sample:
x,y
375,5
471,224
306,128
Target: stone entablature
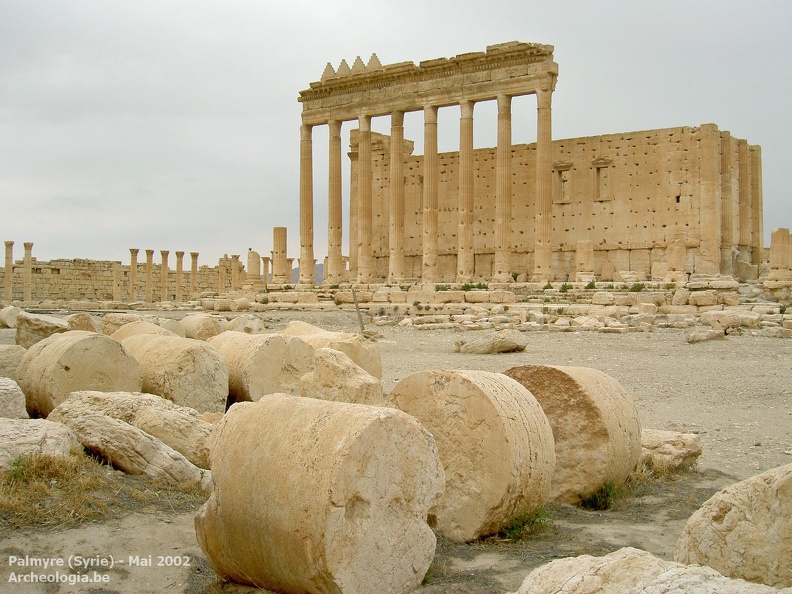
x,y
512,69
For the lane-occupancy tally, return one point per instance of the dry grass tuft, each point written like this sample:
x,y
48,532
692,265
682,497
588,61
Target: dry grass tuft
x,y
44,491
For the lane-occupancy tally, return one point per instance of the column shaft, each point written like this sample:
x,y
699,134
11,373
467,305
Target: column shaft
x,y
728,229
746,225
431,188
179,270
365,257
396,214
335,261
543,224
149,267
194,273
307,261
708,259
164,276
8,276
133,269
503,195
755,152
27,273
465,256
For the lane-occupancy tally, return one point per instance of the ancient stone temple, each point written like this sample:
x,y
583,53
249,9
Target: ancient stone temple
x,y
657,204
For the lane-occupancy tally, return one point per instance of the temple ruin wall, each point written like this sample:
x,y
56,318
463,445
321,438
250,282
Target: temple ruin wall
x,y
630,194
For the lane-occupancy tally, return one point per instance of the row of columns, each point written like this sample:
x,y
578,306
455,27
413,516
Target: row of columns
x,y
361,213
164,273
27,272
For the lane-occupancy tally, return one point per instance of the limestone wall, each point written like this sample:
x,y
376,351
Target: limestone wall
x,y
631,194
95,280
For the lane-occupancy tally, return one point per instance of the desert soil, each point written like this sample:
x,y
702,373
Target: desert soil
x,y
736,393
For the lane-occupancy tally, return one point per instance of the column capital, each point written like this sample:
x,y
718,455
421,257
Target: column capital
x,y
194,255
164,253
544,98
504,103
149,253
335,127
364,122
397,118
134,251
306,131
28,245
466,108
430,114
179,254
9,244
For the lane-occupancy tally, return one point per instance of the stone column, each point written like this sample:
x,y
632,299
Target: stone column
x,y
780,254
149,267
133,270
307,261
116,281
8,277
221,274
364,201
179,270
334,205
281,273
755,153
746,224
194,273
543,224
265,270
431,186
396,214
235,272
503,194
27,273
354,207
253,276
728,228
164,276
465,255
708,258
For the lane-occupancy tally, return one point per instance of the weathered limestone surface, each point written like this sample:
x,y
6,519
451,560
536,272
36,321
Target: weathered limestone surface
x,y
745,530
595,424
202,326
723,320
12,400
246,323
8,316
495,443
336,377
174,326
501,341
32,328
669,450
356,347
631,571
140,327
701,334
10,358
24,437
261,364
113,321
81,321
132,450
72,361
179,427
187,372
366,478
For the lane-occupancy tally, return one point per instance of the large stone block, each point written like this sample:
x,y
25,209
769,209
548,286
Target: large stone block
x,y
316,496
495,444
202,326
140,327
356,347
336,377
185,371
595,424
261,364
25,437
745,530
113,321
72,361
10,358
179,427
8,316
669,450
631,571
12,400
32,328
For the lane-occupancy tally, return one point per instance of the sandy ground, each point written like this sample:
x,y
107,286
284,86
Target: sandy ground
x,y
736,393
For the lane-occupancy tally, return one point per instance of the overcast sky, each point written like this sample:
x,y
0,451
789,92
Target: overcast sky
x,y
174,125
